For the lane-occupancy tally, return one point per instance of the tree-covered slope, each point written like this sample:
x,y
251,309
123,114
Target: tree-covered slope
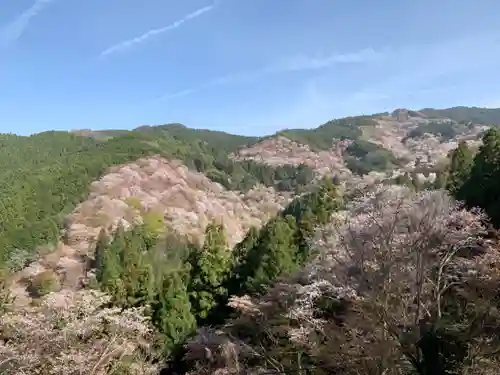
x,y
43,177
321,137
486,116
217,140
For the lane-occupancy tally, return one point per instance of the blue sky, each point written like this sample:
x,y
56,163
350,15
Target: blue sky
x,y
244,66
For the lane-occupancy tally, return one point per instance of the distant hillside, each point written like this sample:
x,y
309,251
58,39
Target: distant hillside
x,y
43,177
321,137
486,116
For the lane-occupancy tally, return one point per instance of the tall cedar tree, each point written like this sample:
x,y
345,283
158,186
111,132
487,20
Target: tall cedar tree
x,y
460,167
482,187
100,253
209,267
240,273
137,273
112,268
276,254
171,310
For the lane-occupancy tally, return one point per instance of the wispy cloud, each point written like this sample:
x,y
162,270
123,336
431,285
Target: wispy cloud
x,y
312,63
294,64
436,74
415,67
153,32
15,29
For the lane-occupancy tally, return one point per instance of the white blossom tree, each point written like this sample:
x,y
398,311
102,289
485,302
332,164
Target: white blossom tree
x,y
404,283
72,333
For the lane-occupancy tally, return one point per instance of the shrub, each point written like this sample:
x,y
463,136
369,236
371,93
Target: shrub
x,y
44,283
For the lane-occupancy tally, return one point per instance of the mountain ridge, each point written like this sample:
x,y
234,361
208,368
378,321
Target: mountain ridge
x,y
480,115
63,164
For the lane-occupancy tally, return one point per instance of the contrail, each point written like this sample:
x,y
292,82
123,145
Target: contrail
x,y
142,38
13,31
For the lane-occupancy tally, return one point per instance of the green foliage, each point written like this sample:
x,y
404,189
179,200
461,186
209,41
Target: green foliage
x,y
446,130
48,174
138,269
275,255
363,157
483,184
44,283
487,116
209,267
172,310
459,168
134,202
153,224
282,244
321,137
43,177
100,252
216,140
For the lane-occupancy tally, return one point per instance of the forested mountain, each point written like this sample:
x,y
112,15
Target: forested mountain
x,y
335,250
45,175
487,116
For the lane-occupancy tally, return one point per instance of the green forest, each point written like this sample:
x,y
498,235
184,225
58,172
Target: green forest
x,y
188,285
43,176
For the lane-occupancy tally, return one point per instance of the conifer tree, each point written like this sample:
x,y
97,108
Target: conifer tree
x,y
171,310
276,254
460,167
305,228
482,187
112,269
241,249
240,271
137,273
209,267
100,253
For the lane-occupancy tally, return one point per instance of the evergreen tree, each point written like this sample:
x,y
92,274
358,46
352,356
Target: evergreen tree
x,y
240,271
100,253
241,249
137,275
276,254
305,229
209,267
460,167
482,187
171,310
112,268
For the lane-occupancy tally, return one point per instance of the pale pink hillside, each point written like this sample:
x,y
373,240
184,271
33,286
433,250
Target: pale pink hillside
x,y
282,151
188,201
